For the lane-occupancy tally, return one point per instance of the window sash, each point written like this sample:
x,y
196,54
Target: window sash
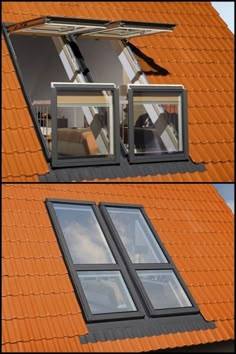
x,y
58,26
74,268
64,94
134,267
173,94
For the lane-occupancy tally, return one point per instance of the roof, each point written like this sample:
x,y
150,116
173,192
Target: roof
x,y
199,54
39,307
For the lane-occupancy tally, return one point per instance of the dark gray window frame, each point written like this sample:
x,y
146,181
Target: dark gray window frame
x,y
148,266
124,265
178,156
85,160
72,268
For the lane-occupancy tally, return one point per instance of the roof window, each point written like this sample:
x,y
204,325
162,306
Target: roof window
x,y
87,105
117,263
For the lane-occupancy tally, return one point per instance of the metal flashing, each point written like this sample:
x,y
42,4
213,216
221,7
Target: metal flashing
x,y
123,170
145,328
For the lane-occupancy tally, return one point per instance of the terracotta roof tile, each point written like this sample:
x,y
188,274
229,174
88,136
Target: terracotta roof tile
x,y
40,310
198,54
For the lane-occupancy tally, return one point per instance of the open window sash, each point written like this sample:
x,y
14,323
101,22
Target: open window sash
x,y
89,28
91,133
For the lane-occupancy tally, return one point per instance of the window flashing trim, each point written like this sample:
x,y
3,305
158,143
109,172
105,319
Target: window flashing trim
x,y
85,160
132,267
145,328
73,268
155,157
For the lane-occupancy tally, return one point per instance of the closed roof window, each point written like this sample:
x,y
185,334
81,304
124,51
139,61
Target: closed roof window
x,y
117,263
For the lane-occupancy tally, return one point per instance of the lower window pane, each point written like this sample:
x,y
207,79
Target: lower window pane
x,y
163,289
85,124
106,292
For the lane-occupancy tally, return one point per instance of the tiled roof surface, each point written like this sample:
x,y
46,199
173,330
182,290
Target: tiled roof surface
x,y
198,54
40,311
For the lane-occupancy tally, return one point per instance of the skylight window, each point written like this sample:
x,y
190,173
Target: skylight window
x,y
74,71
117,263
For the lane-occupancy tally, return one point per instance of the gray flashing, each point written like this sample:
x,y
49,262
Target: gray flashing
x,y
105,331
122,170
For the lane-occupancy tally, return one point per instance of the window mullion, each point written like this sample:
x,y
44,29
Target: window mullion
x,y
95,267
152,266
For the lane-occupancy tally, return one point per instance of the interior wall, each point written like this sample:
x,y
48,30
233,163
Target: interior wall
x,y
39,63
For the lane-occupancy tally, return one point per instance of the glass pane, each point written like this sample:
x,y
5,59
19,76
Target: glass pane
x,y
85,124
139,241
163,289
106,292
83,235
157,123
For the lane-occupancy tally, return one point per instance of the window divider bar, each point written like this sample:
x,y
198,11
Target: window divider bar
x,y
152,266
96,267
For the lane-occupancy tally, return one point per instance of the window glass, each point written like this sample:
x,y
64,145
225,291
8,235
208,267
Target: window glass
x,y
106,291
85,123
157,122
83,234
163,289
136,236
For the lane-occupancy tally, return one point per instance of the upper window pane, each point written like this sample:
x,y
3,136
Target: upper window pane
x,y
163,289
139,241
83,234
106,292
85,123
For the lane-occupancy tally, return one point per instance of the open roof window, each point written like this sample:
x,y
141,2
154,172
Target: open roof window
x,y
117,263
90,64
57,26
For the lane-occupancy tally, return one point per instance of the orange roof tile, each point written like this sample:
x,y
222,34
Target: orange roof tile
x,y
198,54
40,310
